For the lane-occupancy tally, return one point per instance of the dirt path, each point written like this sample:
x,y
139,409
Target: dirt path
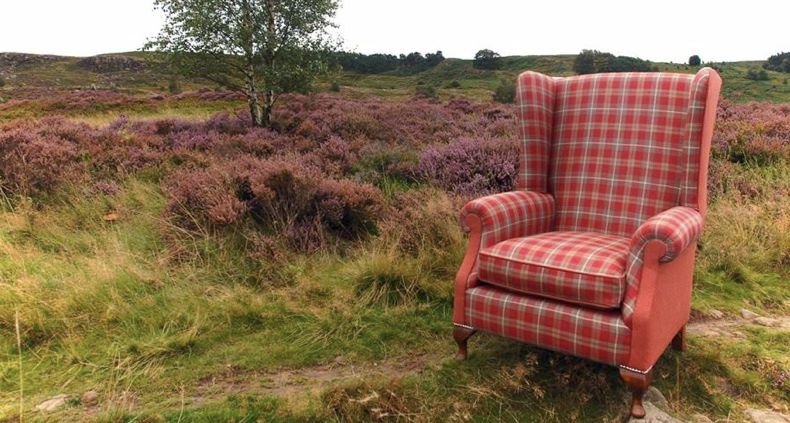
x,y
732,328
305,381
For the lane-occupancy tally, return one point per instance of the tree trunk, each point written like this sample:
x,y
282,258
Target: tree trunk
x,y
268,108
255,111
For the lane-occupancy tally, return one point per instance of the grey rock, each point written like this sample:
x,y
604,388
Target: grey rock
x,y
654,415
746,314
771,322
700,418
715,314
655,397
53,403
766,416
90,398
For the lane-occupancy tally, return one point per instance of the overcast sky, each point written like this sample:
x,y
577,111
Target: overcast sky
x,y
658,30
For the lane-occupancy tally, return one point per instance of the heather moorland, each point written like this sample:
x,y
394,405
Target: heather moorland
x,y
185,265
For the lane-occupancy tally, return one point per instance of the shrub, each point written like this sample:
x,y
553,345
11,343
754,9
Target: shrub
x,y
757,75
471,166
334,87
426,91
454,84
281,196
695,60
487,59
347,207
38,158
200,198
334,157
505,92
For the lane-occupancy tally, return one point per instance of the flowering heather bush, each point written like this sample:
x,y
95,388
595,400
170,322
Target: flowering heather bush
x,y
281,195
752,133
204,197
415,123
472,166
37,159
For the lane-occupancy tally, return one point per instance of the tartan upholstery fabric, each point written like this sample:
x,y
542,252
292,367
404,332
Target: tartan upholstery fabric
x,y
617,147
594,334
578,267
535,98
677,228
510,215
689,184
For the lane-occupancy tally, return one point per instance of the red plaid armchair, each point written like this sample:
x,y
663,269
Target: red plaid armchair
x,y
593,255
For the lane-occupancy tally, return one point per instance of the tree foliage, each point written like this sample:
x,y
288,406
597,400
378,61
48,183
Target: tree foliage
x,y
379,63
695,60
259,47
594,61
487,59
779,62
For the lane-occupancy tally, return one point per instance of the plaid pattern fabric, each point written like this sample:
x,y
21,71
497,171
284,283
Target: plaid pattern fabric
x,y
677,227
510,215
689,184
535,98
594,334
578,267
617,146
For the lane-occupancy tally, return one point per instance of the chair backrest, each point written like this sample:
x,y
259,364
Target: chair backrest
x,y
615,149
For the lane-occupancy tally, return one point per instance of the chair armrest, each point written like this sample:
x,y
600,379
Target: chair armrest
x,y
493,219
507,215
675,229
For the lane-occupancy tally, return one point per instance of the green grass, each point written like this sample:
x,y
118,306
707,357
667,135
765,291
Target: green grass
x,y
64,73
106,306
146,320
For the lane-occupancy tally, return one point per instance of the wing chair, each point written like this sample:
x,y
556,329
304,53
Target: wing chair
x,y
593,254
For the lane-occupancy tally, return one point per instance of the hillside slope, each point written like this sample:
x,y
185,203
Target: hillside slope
x,y
144,73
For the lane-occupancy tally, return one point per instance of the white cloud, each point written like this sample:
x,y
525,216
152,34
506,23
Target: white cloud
x,y
666,30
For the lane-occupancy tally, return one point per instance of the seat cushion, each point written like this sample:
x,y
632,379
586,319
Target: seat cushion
x,y
599,335
578,267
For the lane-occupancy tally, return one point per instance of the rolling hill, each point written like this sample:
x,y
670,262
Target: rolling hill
x,y
144,73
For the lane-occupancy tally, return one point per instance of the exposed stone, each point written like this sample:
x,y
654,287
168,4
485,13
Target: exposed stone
x,y
746,314
90,398
700,418
654,415
766,416
53,403
654,396
111,63
715,314
782,322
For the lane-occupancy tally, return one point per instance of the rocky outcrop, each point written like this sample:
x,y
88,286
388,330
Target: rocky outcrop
x,y
111,63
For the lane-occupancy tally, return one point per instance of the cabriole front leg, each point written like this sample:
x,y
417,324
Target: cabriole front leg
x,y
461,335
638,383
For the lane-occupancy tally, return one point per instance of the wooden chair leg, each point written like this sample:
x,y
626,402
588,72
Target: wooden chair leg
x,y
638,384
461,336
679,341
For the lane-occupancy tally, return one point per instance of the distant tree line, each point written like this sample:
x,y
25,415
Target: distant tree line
x,y
380,63
779,62
594,61
487,59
